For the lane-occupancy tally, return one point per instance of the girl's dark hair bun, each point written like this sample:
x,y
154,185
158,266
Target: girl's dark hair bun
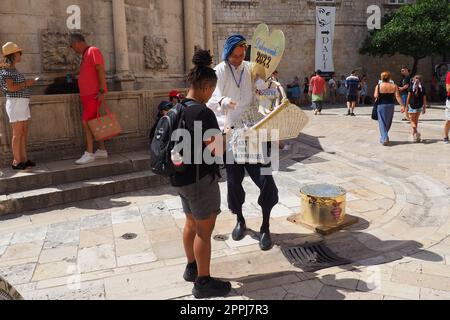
x,y
202,58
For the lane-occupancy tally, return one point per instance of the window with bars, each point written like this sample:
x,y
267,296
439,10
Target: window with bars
x,y
397,2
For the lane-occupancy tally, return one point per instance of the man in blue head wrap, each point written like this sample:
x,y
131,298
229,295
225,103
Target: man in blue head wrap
x,y
234,94
232,42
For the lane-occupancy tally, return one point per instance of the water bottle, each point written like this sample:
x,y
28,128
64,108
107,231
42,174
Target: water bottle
x,y
177,159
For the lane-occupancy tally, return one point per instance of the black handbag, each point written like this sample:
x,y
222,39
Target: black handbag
x,y
375,106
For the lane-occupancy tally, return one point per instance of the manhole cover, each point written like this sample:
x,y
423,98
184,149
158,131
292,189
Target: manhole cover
x,y
313,257
221,237
129,236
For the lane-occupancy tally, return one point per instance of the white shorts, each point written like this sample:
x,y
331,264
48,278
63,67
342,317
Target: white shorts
x,y
447,111
18,109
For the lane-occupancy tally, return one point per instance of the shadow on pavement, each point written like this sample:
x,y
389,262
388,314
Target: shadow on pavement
x,y
103,203
363,250
424,141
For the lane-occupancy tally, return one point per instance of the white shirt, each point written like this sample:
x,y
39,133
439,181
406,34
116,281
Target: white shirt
x,y
227,87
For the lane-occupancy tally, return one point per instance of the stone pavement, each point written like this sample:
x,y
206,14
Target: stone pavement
x,y
400,249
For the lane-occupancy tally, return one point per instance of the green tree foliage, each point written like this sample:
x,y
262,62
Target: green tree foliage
x,y
417,30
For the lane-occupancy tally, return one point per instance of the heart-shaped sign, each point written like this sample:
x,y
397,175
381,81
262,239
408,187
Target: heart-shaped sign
x,y
267,51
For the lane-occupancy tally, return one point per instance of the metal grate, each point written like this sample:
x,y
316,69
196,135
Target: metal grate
x,y
221,238
313,257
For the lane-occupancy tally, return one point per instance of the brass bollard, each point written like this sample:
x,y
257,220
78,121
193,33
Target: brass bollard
x,y
323,209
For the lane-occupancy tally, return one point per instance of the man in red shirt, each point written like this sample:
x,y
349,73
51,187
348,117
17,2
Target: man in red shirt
x,y
92,84
317,90
447,110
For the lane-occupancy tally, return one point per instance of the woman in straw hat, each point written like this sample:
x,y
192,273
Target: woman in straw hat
x,y
16,89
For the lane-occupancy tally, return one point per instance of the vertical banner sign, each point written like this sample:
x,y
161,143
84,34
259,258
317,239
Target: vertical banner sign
x,y
325,24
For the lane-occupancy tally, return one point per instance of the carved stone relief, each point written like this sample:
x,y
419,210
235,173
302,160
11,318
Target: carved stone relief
x,y
56,54
155,53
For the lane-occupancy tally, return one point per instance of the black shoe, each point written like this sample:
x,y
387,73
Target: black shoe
x,y
265,241
349,113
211,288
191,273
353,115
20,166
30,164
239,231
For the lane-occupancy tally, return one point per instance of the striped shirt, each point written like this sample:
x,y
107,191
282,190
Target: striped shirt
x,y
352,84
17,78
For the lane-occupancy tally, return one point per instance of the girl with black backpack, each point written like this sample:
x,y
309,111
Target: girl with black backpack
x,y
198,183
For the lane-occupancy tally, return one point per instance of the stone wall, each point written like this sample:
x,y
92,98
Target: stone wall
x,y
161,23
297,20
155,36
56,128
40,28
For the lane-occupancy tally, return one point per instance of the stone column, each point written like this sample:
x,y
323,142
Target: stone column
x,y
189,32
209,26
123,75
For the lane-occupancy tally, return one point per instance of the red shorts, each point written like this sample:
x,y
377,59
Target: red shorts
x,y
90,107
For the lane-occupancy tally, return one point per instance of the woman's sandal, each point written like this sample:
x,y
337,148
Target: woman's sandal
x,y
20,166
30,163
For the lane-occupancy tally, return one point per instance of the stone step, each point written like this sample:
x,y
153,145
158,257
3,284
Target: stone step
x,y
77,191
62,172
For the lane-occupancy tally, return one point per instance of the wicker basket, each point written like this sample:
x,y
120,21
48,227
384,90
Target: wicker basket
x,y
287,118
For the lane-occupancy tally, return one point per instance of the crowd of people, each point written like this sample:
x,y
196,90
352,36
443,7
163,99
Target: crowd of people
x,y
336,90
353,90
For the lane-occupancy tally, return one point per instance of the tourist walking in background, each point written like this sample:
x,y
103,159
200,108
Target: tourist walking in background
x,y
317,91
306,91
342,90
385,94
364,90
404,86
333,85
92,84
447,109
352,85
295,91
17,91
416,104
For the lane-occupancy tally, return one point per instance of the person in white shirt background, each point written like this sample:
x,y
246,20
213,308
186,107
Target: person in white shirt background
x,y
234,94
332,86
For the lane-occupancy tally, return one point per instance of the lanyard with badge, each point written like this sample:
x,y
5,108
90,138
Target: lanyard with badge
x,y
238,84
